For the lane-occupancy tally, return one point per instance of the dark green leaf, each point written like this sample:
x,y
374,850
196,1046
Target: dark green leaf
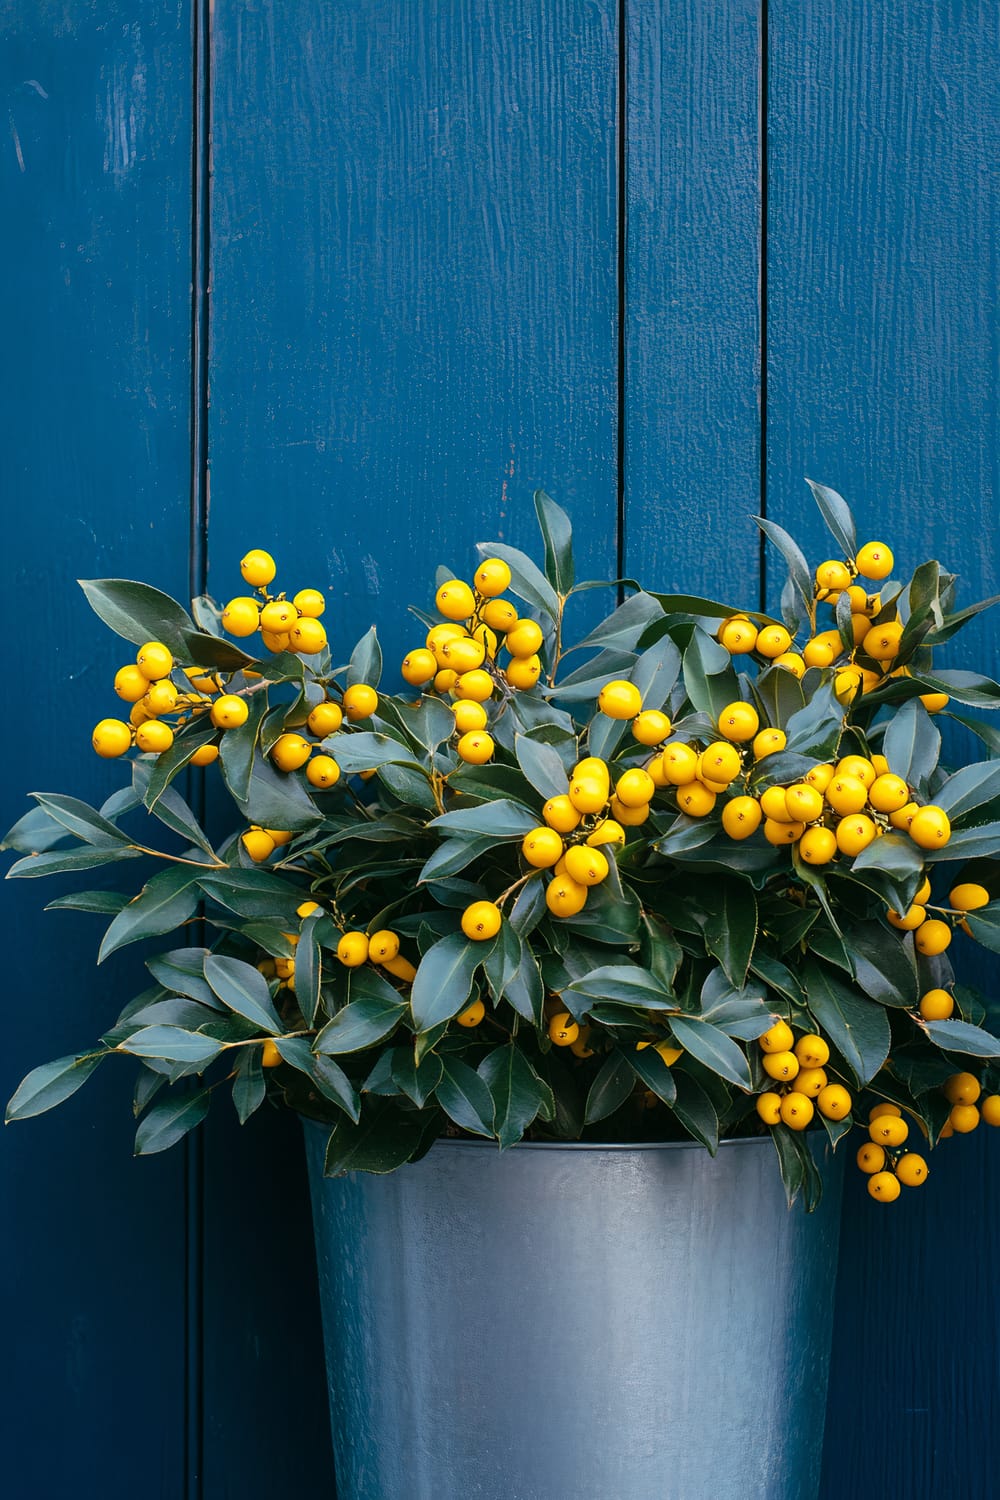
x,y
714,1048
965,843
244,989
363,1021
163,904
108,903
709,678
798,568
629,984
416,1081
815,729
444,979
501,820
696,1112
883,965
81,821
430,722
527,582
856,1026
183,971
169,1120
984,925
464,1097
837,514
366,661
798,1170
330,1079
609,1090
60,862
655,1074
385,1138
237,746
731,927
625,626
249,1088
172,1043
515,1091
363,750
139,613
894,853
912,743
959,1036
542,765
452,855
254,893
969,790
34,833
171,809
49,1085
557,535
585,682
309,968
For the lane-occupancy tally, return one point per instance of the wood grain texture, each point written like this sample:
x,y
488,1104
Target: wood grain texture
x,y
884,129
413,326
692,335
95,172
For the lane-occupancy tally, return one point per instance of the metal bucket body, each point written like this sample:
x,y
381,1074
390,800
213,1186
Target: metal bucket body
x,y
575,1323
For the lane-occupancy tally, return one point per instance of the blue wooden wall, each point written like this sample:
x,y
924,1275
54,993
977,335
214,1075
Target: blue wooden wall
x,y
348,281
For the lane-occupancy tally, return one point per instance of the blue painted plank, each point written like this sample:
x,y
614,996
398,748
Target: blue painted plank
x,y
692,336
884,132
94,389
414,325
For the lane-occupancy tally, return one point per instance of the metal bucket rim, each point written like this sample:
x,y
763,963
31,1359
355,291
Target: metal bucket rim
x,y
485,1145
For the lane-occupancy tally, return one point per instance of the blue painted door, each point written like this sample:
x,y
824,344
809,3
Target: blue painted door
x,y
348,281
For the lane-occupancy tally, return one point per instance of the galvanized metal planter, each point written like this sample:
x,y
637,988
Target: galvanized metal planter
x,y
575,1323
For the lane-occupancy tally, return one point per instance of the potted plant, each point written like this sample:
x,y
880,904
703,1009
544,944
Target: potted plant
x,y
688,882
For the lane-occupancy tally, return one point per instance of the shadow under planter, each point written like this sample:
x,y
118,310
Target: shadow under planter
x,y
576,1322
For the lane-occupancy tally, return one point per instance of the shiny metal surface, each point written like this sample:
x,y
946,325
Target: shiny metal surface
x,y
575,1323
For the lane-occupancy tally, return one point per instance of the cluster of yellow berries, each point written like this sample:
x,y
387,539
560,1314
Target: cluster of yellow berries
x,y
148,686
798,1068
875,646
354,948
284,624
964,1093
459,656
887,1166
933,934
291,750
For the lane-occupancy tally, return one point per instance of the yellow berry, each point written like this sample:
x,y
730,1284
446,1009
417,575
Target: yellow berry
x,y
229,711
309,602
270,1057
768,1106
278,617
773,641
499,615
492,577
161,698
360,701
619,699
990,1109
276,641
846,794
154,737
739,722
325,718
241,616
812,1051
352,949
934,702
854,833
695,800
904,816
909,920
586,865
911,1169
679,763
962,1088
773,805
888,1130
476,747
131,684
874,560
455,600
438,636
280,835
635,788
307,636
937,1005
472,1014
884,1187
154,661
783,1066
803,803
741,817
846,687
778,1038
257,843
205,755
832,575
476,685
306,909
563,1030
779,834
768,742
565,896
738,636
258,568
811,1081
469,716
792,662
481,921
651,727
111,738
796,1110
881,642
608,831
931,937
870,1158
818,846
542,847
463,654
290,751
720,763
968,896
833,1101
560,814
322,771
524,638
963,1118
884,1108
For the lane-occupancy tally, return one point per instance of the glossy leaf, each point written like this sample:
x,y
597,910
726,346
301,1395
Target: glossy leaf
x,y
557,536
49,1085
709,678
629,984
609,1090
108,903
959,1036
237,746
527,581
416,1081
542,765
63,861
981,842
984,925
464,1097
714,1048
249,1088
309,968
182,970
798,569
385,1138
244,989
502,819
330,1079
169,1120
858,1029
970,790
515,1091
34,832
362,1022
366,661
912,743
695,1111
167,901
654,1072
444,979
172,1043
77,818
731,927
837,514
625,625
139,613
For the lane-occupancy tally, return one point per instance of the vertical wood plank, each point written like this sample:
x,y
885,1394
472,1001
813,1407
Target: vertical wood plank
x,y
94,396
414,325
692,335
884,130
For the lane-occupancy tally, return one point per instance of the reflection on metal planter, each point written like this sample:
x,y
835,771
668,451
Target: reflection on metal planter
x,y
576,1323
